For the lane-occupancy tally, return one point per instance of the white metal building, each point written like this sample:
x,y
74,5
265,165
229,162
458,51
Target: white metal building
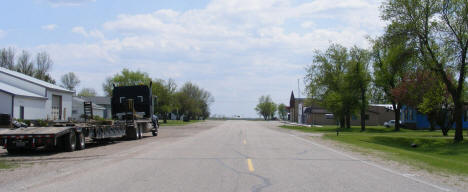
x,y
25,97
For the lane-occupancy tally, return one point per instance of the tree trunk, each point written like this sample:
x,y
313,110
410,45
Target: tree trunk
x,y
342,122
165,118
363,110
458,117
348,120
396,110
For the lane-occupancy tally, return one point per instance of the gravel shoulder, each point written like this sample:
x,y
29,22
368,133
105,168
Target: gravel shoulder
x,y
461,182
38,163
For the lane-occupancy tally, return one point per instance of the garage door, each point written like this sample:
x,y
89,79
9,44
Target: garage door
x,y
56,107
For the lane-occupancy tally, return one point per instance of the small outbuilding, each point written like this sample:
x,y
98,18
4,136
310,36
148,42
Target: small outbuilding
x,y
78,109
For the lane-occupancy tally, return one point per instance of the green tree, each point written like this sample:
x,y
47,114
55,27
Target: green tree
x,y
439,29
193,101
328,84
358,78
70,81
125,78
282,111
266,107
164,91
87,92
391,58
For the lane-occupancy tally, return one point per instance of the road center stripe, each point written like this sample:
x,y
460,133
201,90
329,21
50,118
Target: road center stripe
x,y
250,165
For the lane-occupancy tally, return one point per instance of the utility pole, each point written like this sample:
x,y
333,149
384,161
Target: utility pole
x,y
298,90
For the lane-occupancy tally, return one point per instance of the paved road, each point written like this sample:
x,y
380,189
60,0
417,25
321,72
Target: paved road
x,y
232,156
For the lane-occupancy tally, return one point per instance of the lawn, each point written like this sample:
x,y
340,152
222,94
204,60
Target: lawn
x,y
4,165
177,122
434,152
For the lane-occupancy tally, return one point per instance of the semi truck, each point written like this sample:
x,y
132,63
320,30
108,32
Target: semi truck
x,y
132,116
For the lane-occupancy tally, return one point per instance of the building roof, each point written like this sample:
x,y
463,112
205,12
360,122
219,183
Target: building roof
x,y
33,80
100,100
17,91
77,99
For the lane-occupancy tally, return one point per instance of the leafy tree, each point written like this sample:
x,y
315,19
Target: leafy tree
x,y
70,81
126,78
438,29
282,112
87,92
266,107
328,83
164,90
358,78
436,104
391,58
193,102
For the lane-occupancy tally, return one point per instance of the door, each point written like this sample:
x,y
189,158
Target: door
x,y
22,112
56,107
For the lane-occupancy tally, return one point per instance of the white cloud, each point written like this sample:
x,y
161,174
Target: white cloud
x,y
2,33
82,31
49,27
238,49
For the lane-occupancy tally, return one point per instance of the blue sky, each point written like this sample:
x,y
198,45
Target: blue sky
x,y
237,49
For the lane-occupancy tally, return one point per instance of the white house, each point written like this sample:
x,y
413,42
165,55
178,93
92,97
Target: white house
x,y
78,109
25,97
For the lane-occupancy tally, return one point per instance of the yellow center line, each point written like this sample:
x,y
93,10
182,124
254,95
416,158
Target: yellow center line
x,y
244,142
250,165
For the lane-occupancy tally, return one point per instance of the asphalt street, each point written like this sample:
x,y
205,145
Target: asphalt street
x,y
232,156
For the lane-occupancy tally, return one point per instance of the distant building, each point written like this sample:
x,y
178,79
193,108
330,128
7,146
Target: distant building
x,y
78,109
413,119
28,98
296,109
102,101
376,114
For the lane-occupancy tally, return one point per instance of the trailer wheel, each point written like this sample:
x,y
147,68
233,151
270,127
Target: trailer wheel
x,y
69,141
132,133
140,132
81,141
13,150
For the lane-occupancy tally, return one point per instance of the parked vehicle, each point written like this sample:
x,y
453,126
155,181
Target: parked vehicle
x,y
391,123
132,110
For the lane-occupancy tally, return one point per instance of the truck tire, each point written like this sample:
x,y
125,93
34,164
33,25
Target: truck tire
x,y
81,142
132,133
155,131
69,141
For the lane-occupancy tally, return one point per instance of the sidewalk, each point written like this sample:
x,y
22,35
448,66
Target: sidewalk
x,y
299,124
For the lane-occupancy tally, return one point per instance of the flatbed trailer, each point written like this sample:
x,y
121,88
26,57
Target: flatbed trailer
x,y
132,110
70,137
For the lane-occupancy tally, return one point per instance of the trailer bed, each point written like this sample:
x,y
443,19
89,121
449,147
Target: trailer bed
x,y
35,131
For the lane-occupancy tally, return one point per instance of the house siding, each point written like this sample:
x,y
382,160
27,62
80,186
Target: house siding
x,y
33,108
